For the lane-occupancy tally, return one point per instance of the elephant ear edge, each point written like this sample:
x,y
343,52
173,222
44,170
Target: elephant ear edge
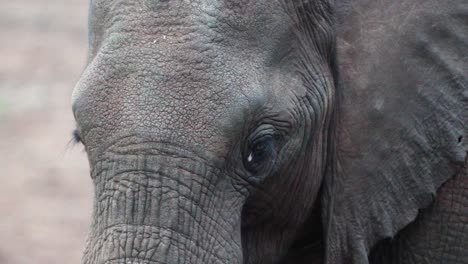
x,y
401,131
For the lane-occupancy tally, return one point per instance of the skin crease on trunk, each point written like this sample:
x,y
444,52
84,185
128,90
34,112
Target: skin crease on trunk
x,y
219,131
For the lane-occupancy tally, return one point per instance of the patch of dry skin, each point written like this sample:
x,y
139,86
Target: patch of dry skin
x,y
45,190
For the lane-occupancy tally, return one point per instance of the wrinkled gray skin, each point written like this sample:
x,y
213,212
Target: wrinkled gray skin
x,y
275,131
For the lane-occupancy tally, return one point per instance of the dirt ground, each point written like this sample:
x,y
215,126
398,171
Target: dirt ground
x,y
45,188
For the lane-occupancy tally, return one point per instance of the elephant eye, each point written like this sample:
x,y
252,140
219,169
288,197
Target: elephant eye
x,y
259,155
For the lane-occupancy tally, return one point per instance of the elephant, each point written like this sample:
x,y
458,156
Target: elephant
x,y
276,131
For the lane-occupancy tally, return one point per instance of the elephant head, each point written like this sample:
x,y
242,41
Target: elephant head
x,y
229,131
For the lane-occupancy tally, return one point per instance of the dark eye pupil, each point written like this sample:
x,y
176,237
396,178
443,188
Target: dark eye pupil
x,y
258,149
258,153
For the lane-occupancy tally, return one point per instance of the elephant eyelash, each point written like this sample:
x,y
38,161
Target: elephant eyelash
x,y
76,138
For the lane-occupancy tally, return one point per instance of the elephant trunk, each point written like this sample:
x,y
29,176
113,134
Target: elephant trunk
x,y
162,209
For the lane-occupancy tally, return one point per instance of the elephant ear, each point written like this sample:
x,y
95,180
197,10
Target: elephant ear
x,y
403,69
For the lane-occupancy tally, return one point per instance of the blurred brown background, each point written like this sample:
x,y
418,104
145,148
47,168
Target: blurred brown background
x,y
45,188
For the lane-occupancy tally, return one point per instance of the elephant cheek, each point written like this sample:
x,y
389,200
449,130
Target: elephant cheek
x,y
150,209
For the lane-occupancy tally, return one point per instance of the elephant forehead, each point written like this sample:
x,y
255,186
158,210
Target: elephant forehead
x,y
256,26
166,95
230,11
188,69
